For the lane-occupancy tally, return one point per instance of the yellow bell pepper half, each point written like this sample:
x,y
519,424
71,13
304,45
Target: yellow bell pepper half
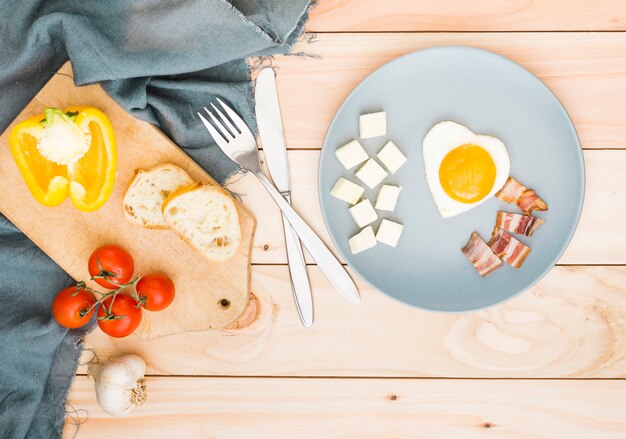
x,y
87,174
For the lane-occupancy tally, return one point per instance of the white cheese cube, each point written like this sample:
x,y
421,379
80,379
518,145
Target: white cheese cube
x,y
363,213
371,173
373,125
347,191
388,197
363,240
351,154
389,232
391,157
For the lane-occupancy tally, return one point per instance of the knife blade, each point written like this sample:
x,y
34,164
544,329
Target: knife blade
x,y
271,131
272,136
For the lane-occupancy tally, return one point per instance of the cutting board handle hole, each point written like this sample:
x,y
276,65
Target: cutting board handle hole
x,y
224,303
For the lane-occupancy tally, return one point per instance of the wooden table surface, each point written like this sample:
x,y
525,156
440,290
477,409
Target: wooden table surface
x,y
548,364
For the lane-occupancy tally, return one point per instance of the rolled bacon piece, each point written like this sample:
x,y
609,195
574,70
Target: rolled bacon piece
x,y
507,248
480,255
511,191
517,223
529,201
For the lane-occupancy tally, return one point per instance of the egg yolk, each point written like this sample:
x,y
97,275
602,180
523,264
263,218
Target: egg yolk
x,y
467,173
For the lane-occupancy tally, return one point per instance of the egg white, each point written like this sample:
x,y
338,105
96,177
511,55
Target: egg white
x,y
443,138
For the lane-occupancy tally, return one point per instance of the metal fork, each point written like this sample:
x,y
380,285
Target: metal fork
x,y
239,145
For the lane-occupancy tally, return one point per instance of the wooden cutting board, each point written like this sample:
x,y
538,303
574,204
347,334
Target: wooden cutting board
x,y
69,236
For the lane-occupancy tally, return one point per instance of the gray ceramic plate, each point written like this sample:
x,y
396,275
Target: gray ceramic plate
x,y
490,95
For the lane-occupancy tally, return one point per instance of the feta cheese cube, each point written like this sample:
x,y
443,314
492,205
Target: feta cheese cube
x,y
351,154
389,232
371,173
363,213
388,197
391,157
347,191
373,125
363,240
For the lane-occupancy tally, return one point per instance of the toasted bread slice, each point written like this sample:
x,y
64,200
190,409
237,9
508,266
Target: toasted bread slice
x,y
143,201
206,218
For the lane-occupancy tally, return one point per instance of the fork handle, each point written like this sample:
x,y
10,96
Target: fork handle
x,y
326,261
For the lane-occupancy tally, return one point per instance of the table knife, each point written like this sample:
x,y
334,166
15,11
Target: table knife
x,y
273,139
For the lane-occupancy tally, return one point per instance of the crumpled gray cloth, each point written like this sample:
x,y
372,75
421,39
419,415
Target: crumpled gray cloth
x,y
161,60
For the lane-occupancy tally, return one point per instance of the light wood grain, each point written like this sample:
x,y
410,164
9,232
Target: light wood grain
x,y
587,71
373,408
463,15
599,238
69,236
572,324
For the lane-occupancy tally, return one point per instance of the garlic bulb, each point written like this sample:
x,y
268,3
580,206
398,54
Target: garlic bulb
x,y
120,386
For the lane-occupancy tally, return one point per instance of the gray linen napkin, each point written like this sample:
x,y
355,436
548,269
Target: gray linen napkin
x,y
161,60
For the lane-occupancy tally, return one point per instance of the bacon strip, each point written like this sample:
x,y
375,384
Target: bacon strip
x,y
530,201
511,191
480,255
519,224
509,249
526,199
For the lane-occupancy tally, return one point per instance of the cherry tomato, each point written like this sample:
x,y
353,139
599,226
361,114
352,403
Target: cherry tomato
x,y
112,259
156,291
126,316
69,307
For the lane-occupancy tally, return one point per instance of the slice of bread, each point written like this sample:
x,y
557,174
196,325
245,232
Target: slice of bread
x,y
143,201
206,218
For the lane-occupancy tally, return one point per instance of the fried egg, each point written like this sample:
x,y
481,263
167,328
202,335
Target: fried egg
x,y
463,169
